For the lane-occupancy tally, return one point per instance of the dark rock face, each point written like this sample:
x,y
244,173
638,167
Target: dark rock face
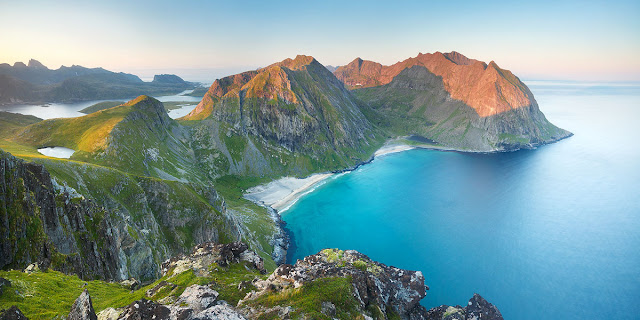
x,y
480,308
145,309
64,231
4,283
12,313
82,308
477,308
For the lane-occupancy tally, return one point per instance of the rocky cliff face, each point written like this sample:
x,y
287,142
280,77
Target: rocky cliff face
x,y
295,106
457,102
43,222
132,225
488,89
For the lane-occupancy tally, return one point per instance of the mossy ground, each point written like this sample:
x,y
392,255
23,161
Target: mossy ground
x,y
308,300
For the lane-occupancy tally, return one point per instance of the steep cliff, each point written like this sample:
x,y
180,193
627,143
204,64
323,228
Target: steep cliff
x,y
102,223
293,116
416,102
458,102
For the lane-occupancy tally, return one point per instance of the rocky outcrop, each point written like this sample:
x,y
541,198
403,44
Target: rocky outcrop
x,y
4,284
195,303
82,308
206,254
392,290
13,313
477,308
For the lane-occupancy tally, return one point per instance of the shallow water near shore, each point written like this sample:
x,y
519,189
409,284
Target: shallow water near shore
x,y
551,233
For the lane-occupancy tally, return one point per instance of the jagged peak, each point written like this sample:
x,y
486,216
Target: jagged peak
x,y
33,63
458,58
298,62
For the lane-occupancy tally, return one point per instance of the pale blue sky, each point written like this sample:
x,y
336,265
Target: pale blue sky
x,y
202,40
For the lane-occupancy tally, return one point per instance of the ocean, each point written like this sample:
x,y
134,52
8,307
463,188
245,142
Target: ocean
x,y
550,233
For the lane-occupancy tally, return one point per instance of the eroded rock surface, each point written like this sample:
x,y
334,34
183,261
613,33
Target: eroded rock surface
x,y
82,308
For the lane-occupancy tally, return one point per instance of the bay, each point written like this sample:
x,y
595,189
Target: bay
x,y
551,233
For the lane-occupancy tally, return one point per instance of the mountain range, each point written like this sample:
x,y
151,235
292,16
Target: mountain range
x,y
35,83
142,187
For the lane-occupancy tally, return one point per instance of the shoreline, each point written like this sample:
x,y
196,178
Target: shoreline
x,y
281,194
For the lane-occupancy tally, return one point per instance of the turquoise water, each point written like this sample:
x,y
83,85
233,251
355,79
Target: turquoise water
x,y
551,233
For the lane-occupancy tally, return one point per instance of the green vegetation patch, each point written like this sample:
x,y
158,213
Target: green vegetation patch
x,y
101,106
308,299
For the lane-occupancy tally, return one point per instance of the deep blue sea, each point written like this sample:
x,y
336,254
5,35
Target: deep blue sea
x,y
551,233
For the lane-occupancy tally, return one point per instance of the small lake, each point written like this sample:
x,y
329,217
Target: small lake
x,y
57,152
551,233
71,110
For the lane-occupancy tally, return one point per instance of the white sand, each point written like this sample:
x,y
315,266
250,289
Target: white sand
x,y
282,193
392,149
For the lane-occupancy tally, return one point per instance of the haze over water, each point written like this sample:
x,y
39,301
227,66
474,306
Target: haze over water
x,y
551,233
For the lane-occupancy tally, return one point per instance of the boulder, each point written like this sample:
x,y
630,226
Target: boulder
x,y
12,313
82,308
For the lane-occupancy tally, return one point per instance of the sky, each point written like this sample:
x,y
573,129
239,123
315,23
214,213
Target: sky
x,y
204,40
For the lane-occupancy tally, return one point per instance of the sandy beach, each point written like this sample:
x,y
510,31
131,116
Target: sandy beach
x,y
284,192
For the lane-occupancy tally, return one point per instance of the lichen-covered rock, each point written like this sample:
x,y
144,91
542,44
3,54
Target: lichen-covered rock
x,y
131,284
13,313
198,297
145,309
477,309
208,253
109,314
82,308
195,303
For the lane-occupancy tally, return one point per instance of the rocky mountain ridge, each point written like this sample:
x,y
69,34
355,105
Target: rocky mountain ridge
x,y
457,102
35,83
487,88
